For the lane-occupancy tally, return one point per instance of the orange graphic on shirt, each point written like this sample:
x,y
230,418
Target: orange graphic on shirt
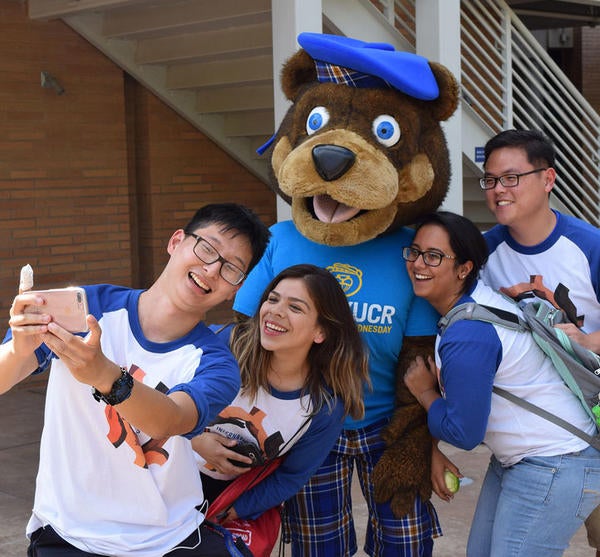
x,y
120,431
253,421
560,298
525,289
235,419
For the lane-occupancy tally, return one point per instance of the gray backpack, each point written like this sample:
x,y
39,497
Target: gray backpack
x,y
578,366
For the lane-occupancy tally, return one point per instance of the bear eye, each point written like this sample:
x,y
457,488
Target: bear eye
x,y
386,130
318,117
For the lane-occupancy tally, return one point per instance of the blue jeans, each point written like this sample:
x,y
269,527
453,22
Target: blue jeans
x,y
536,506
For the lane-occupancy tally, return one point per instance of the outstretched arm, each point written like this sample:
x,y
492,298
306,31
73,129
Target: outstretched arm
x,y
158,415
17,354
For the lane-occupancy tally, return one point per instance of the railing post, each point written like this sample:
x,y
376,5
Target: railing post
x,y
506,49
288,20
389,11
438,39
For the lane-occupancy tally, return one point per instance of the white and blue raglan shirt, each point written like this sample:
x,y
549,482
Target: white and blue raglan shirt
x,y
374,278
105,486
567,263
280,423
473,356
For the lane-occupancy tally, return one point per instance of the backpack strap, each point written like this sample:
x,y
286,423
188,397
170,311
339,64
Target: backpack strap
x,y
478,312
534,317
578,367
594,441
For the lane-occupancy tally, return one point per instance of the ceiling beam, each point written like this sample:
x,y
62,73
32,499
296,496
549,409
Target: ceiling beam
x,y
242,71
235,98
243,41
202,15
50,9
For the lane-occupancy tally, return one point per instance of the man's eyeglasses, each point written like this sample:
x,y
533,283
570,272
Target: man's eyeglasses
x,y
508,180
204,251
430,258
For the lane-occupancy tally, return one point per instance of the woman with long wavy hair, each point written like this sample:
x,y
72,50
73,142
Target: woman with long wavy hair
x,y
303,369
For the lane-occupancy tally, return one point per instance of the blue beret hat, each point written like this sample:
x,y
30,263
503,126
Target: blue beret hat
x,y
407,72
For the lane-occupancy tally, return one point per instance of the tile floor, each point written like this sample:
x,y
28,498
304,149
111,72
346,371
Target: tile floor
x,y
21,417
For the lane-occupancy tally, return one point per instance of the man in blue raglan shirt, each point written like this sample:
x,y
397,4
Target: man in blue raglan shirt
x,y
117,473
534,248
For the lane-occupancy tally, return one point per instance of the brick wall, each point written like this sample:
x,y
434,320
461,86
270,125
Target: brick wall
x,y
94,181
181,171
63,182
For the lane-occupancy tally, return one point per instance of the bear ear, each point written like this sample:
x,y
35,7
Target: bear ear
x,y
297,71
444,106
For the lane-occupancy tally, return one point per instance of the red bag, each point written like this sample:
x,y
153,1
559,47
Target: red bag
x,y
259,534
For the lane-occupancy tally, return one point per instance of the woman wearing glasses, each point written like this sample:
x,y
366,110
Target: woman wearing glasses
x,y
303,368
542,482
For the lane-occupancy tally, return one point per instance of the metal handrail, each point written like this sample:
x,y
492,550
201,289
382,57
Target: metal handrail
x,y
510,81
536,94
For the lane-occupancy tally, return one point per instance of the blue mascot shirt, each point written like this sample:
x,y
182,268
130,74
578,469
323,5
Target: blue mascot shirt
x,y
373,276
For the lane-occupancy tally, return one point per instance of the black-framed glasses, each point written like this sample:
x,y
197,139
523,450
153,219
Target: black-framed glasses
x,y
430,258
204,251
508,180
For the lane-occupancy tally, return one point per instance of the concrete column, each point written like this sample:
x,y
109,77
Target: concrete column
x,y
289,18
438,39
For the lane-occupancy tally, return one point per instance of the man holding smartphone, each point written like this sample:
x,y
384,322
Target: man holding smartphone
x,y
117,473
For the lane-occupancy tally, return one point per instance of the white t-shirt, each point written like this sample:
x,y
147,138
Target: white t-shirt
x,y
102,484
473,356
566,262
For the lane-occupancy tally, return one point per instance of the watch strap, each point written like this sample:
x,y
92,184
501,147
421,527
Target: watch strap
x,y
120,391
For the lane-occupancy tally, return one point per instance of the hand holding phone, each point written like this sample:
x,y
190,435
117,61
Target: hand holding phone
x,y
67,306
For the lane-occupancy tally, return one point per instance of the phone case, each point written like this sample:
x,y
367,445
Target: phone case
x,y
67,306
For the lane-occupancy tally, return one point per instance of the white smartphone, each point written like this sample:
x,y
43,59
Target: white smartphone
x,y
67,306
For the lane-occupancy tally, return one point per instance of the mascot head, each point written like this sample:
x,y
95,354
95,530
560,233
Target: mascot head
x,y
361,152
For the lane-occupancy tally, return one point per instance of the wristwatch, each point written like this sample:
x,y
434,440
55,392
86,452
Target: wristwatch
x,y
120,391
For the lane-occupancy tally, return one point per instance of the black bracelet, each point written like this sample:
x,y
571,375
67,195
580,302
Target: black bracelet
x,y
120,391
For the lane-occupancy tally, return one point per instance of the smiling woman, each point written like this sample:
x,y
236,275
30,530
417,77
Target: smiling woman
x,y
542,481
303,367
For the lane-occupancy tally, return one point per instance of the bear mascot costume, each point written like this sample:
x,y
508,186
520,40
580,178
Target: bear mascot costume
x,y
359,155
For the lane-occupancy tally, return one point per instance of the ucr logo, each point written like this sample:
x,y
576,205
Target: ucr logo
x,y
349,277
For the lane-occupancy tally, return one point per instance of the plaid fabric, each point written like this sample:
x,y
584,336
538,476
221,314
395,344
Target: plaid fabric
x,y
330,73
318,520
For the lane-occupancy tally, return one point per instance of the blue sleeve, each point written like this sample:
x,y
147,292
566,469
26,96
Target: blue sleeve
x,y
215,384
247,297
223,332
470,353
494,237
299,464
587,239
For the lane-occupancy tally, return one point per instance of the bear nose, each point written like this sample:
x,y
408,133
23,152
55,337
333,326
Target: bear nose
x,y
332,161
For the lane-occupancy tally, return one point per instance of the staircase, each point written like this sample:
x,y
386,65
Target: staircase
x,y
209,61
212,62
